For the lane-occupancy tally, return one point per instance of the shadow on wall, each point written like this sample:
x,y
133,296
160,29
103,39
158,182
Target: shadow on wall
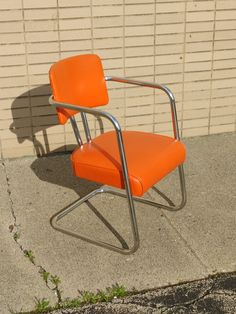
x,y
33,114
32,117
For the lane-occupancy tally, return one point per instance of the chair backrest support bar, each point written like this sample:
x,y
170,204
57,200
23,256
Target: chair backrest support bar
x,y
86,126
76,130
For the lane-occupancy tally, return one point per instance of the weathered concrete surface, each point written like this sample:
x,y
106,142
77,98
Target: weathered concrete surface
x,y
175,247
81,265
213,295
207,223
20,282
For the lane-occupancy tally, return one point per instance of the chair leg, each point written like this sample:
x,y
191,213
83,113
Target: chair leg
x,y
125,249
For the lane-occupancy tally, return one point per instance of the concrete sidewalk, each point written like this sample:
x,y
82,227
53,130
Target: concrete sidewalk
x,y
175,247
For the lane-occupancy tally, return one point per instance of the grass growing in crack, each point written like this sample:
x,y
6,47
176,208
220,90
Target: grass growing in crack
x,y
88,297
16,236
42,305
54,280
45,275
29,254
84,298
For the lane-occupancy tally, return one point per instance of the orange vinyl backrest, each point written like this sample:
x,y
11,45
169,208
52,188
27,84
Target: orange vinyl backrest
x,y
78,81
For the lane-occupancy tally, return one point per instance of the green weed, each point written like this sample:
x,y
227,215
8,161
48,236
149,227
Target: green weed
x,y
42,305
29,254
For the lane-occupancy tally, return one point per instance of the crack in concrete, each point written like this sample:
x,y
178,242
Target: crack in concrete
x,y
187,304
14,226
176,230
15,230
185,241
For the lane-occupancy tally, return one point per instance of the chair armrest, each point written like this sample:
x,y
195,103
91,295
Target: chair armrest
x,y
94,112
114,121
157,86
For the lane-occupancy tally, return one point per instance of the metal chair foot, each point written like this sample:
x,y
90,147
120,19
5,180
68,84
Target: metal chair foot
x,y
123,250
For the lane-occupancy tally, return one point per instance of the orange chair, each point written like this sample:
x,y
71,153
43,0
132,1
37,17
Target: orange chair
x,y
132,161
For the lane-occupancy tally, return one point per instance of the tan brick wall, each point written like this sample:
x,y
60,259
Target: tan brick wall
x,y
188,45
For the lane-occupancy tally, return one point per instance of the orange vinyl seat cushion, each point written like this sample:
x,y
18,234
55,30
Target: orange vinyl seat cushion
x,y
149,158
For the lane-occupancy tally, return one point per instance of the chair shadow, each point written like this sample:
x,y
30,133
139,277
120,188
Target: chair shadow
x,y
55,168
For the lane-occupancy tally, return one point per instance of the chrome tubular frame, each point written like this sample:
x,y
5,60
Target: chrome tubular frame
x,y
76,130
127,193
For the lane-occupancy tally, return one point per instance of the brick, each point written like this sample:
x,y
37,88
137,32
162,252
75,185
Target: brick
x,y
9,5
223,64
42,58
40,14
224,25
17,81
223,35
74,12
51,36
197,17
200,5
11,38
229,73
226,15
139,41
195,132
132,20
107,10
140,30
199,26
13,49
12,60
169,49
198,56
139,9
72,3
170,28
34,26
139,61
170,18
199,37
225,44
224,110
108,32
13,71
75,23
222,128
43,47
230,4
11,15
76,45
75,34
29,4
110,21
196,123
170,7
169,39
